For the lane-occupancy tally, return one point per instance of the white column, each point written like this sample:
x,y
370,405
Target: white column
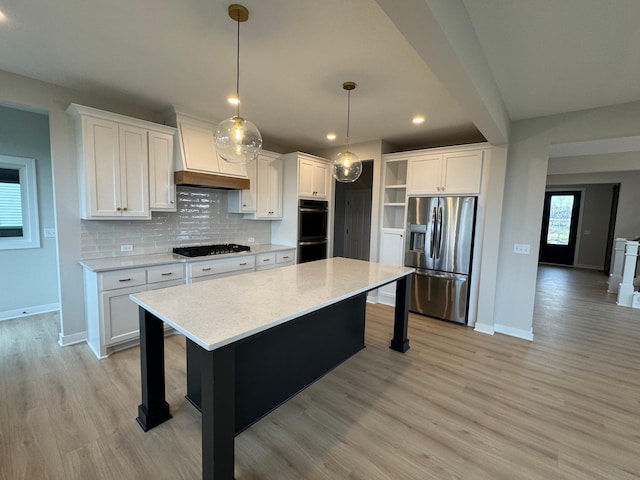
x,y
625,292
615,277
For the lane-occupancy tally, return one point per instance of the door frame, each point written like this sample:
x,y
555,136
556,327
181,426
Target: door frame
x,y
568,188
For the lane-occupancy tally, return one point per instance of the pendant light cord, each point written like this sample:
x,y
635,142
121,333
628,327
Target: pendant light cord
x,y
238,66
348,114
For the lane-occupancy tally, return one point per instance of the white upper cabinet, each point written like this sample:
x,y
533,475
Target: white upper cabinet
x,y
244,201
197,149
269,188
134,173
162,189
264,200
115,166
462,172
425,174
313,178
113,159
450,172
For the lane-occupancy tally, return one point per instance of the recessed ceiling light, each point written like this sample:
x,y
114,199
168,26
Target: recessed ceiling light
x,y
331,136
233,100
3,17
418,119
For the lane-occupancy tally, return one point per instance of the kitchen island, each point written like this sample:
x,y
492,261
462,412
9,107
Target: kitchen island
x,y
255,340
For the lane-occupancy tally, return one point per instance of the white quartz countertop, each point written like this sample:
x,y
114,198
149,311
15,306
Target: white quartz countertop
x,y
218,312
130,261
135,261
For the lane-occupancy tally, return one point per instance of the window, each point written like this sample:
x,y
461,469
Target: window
x,y
18,203
560,214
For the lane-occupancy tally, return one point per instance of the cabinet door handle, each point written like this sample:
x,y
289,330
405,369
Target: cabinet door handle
x,y
206,269
118,209
125,208
166,274
124,280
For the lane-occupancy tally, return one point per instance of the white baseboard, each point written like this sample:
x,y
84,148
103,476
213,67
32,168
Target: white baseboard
x,y
484,328
23,312
66,340
514,332
387,299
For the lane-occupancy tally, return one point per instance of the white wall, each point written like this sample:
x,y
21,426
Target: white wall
x,y
523,200
29,277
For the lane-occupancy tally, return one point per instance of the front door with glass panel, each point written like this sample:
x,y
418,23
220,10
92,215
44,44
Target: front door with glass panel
x,y
559,227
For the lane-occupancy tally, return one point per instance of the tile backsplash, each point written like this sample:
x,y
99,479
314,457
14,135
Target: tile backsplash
x,y
201,218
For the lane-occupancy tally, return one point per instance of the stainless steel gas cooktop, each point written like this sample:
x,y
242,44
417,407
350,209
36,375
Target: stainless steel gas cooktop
x,y
204,250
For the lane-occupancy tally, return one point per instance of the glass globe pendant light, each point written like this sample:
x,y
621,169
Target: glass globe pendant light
x,y
347,166
237,139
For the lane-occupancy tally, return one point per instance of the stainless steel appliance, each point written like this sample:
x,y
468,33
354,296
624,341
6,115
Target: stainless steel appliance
x,y
312,230
205,250
439,244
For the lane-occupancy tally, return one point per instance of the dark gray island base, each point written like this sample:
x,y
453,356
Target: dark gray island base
x,y
236,384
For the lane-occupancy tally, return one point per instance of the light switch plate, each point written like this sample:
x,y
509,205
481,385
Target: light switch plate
x,y
50,232
522,248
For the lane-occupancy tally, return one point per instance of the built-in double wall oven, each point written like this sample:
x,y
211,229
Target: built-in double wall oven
x,y
312,230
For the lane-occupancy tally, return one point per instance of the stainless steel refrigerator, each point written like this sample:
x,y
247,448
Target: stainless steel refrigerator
x,y
439,244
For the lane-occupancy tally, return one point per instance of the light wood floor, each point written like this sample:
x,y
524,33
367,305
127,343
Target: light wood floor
x,y
458,405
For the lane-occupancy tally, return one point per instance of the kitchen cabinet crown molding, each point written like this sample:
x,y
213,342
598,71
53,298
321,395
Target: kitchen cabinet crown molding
x,y
76,111
436,150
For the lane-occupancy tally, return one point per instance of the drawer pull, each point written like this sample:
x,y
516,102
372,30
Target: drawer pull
x,y
266,260
286,257
125,280
206,269
243,264
166,274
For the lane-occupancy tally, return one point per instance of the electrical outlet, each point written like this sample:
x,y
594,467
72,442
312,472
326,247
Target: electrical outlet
x,y
251,239
522,248
126,248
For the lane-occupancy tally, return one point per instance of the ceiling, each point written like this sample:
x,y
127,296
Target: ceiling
x,y
543,56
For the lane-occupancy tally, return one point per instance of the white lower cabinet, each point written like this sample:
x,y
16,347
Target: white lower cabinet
x,y
391,253
112,318
199,271
267,261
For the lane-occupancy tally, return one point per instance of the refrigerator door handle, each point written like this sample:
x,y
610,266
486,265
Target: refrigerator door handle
x,y
439,231
433,233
